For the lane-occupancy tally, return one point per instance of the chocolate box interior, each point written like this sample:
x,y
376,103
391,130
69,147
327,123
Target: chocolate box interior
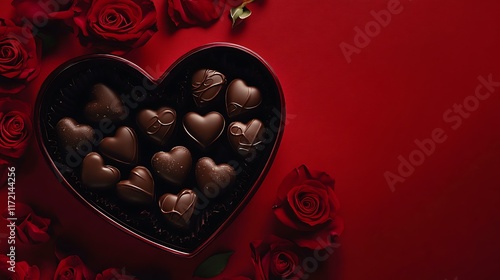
x,y
67,91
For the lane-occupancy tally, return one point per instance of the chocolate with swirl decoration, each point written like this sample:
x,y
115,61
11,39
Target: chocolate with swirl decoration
x,y
241,98
206,85
158,125
246,139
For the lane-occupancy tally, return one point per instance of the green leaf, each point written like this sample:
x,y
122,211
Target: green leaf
x,y
213,266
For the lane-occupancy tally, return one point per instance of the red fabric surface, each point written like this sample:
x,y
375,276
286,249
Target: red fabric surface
x,y
351,120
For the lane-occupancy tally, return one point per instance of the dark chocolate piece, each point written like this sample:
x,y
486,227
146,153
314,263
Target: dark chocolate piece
x,y
246,138
206,85
74,136
204,129
173,166
139,188
158,125
178,209
96,175
122,147
104,104
241,98
212,179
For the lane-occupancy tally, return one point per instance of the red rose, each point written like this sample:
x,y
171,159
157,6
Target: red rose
x,y
18,57
195,12
30,228
306,203
39,11
237,278
15,127
23,271
114,274
72,268
115,26
276,259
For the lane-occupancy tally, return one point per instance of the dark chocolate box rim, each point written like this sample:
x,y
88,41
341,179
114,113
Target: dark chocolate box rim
x,y
39,136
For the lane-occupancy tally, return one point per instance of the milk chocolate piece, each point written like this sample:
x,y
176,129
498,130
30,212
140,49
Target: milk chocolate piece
x,y
241,98
158,125
74,136
104,104
206,85
246,139
96,175
139,188
212,179
122,147
173,166
204,130
178,209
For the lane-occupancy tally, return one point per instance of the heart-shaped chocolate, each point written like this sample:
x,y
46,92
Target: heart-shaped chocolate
x,y
173,166
246,139
212,179
241,98
97,175
139,188
204,130
206,85
122,147
158,125
67,92
178,209
104,104
75,137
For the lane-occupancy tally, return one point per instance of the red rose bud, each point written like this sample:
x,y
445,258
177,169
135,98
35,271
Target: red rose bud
x,y
72,268
307,204
19,62
115,26
15,127
195,12
22,270
275,259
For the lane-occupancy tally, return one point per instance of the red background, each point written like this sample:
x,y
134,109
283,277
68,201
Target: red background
x,y
352,120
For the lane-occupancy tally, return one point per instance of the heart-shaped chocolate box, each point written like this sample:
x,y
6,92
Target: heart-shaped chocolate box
x,y
67,91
